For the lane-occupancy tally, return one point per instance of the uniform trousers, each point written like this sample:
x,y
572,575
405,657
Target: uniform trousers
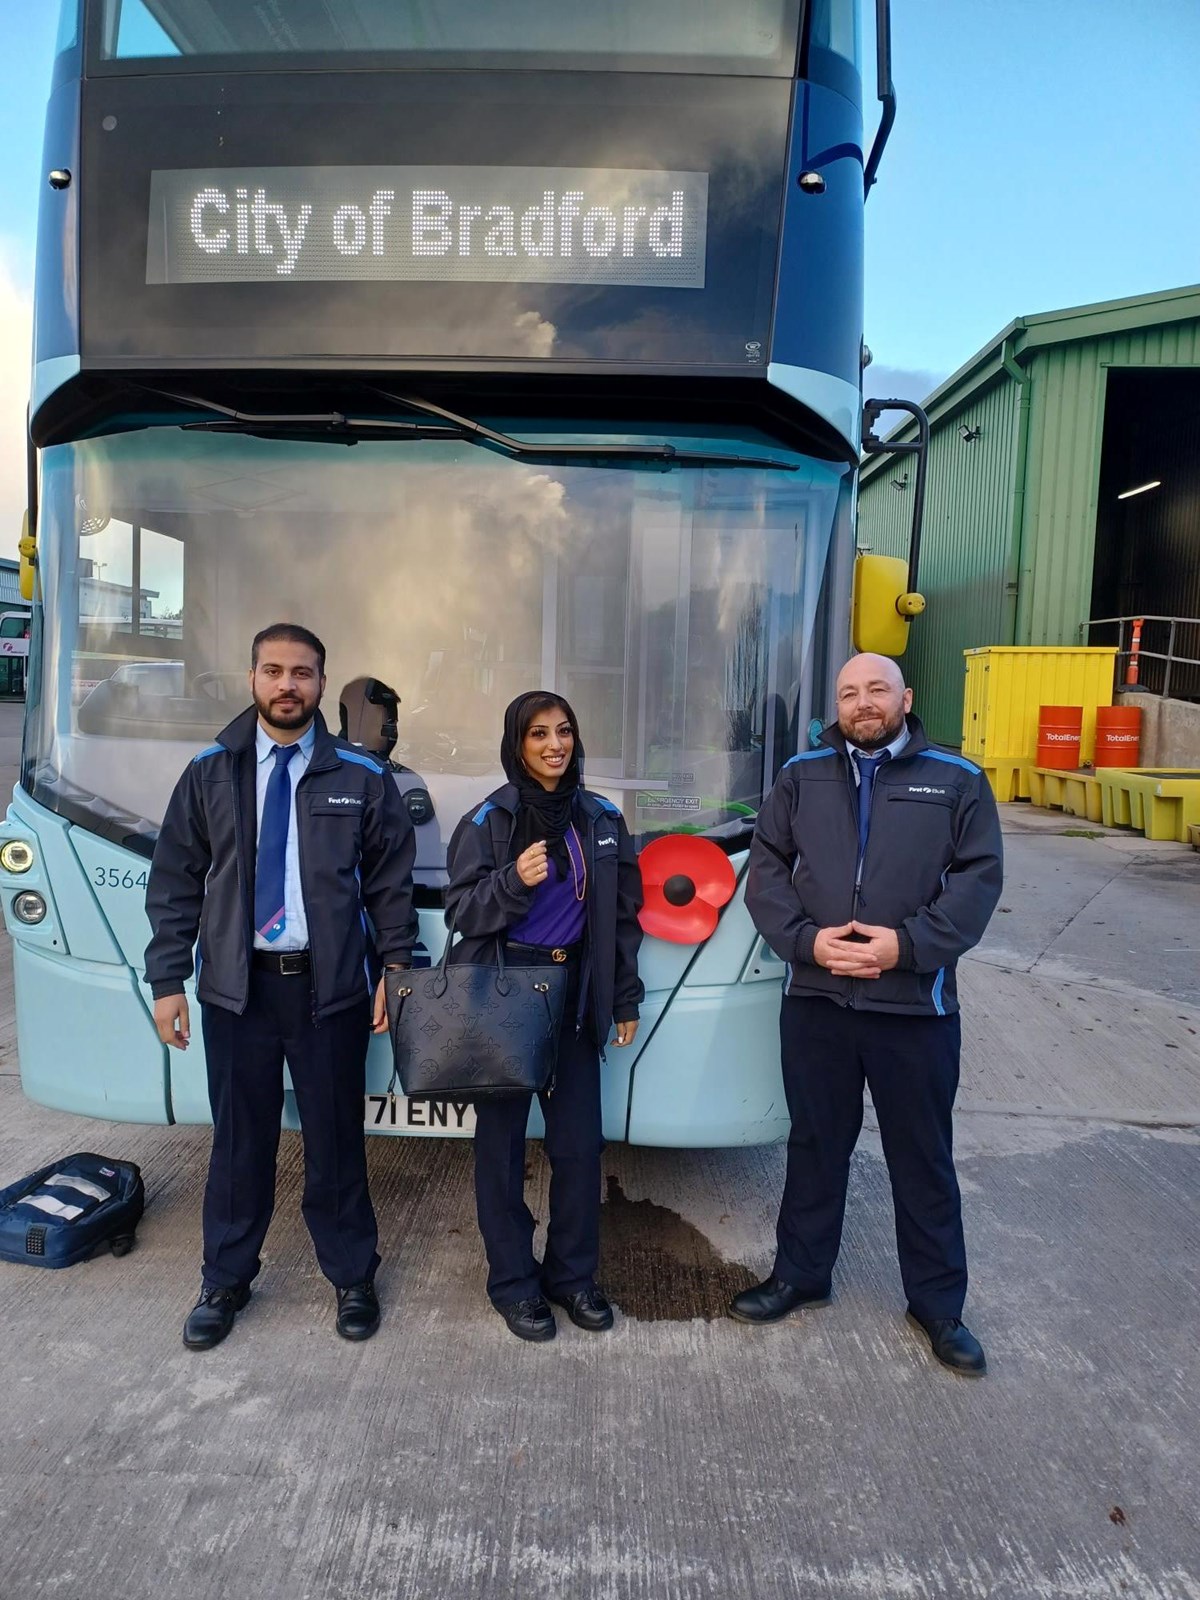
x,y
911,1066
573,1144
327,1060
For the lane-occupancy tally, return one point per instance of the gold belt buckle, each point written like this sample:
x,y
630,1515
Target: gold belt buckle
x,y
558,955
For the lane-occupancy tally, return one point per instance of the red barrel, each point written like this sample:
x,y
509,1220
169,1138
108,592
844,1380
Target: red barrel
x,y
1118,736
1059,731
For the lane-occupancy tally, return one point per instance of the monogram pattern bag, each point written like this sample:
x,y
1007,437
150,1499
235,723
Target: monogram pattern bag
x,y
473,1032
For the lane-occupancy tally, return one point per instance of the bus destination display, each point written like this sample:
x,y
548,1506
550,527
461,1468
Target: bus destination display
x,y
598,225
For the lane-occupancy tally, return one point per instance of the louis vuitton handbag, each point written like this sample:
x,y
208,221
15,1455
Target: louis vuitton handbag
x,y
474,1032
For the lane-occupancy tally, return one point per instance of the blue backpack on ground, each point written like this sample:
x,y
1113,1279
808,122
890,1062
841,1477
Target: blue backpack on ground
x,y
65,1212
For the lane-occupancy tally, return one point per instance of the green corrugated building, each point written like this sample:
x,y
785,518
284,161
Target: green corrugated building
x,y
1034,444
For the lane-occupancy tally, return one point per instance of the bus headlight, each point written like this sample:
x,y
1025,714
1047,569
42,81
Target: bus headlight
x,y
16,856
29,907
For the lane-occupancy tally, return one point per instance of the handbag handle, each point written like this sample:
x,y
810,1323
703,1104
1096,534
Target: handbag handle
x,y
503,984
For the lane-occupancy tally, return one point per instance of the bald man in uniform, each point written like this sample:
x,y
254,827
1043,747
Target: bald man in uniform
x,y
876,864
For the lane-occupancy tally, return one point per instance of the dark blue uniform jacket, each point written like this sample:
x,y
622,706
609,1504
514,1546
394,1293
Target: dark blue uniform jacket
x,y
932,869
356,855
486,896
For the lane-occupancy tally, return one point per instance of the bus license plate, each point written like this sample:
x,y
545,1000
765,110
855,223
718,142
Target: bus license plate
x,y
395,1113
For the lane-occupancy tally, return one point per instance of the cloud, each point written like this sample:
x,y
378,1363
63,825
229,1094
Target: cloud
x,y
898,383
16,325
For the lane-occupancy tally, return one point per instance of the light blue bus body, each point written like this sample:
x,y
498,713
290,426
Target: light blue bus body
x,y
703,1071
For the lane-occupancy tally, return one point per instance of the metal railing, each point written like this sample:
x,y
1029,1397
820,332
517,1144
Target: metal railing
x,y
1138,667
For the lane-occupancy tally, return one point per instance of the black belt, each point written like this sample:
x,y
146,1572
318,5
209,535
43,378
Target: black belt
x,y
535,954
283,963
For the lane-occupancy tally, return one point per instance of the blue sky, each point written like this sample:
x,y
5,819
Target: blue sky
x,y
1043,156
27,33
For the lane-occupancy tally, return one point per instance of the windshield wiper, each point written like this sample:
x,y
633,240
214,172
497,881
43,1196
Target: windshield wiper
x,y
528,450
345,428
336,425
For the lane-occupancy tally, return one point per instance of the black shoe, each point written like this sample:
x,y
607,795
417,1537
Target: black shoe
x,y
772,1300
358,1310
589,1309
211,1318
953,1343
530,1319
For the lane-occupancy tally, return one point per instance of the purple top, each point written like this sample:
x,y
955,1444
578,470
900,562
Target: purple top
x,y
557,915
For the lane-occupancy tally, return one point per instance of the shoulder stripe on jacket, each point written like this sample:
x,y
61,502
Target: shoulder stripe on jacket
x,y
811,755
954,761
362,761
487,806
213,750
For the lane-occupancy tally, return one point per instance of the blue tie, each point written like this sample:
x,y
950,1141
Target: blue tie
x,y
867,766
270,917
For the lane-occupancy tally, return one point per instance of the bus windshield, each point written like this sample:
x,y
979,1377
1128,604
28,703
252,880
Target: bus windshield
x,y
756,36
674,609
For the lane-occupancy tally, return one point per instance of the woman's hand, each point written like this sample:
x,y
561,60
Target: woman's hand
x,y
626,1032
533,865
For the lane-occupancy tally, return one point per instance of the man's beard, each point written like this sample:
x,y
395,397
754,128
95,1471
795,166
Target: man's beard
x,y
285,718
879,741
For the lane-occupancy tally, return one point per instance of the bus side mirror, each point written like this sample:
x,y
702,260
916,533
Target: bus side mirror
x,y
885,597
882,605
28,551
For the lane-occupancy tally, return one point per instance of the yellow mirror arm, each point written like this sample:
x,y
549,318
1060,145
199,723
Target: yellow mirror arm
x,y
27,546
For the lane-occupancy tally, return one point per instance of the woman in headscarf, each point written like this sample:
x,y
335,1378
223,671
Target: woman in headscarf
x,y
549,867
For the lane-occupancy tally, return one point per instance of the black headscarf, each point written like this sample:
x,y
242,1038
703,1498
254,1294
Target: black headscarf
x,y
541,813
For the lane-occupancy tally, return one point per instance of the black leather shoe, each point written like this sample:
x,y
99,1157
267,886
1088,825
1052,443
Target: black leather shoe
x,y
771,1301
211,1318
530,1319
358,1310
589,1309
953,1343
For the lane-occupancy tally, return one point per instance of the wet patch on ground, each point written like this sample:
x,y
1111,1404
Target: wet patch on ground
x,y
1175,870
657,1267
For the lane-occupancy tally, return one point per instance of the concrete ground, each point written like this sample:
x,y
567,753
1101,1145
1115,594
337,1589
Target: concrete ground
x,y
682,1455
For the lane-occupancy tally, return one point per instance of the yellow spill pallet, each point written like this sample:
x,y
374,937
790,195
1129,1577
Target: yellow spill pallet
x,y
1077,793
1009,779
1005,687
1161,802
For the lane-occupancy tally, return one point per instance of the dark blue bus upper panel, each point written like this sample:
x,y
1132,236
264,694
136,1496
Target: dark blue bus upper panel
x,y
380,217
754,37
566,221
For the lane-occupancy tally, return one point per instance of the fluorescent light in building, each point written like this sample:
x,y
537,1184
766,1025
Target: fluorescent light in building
x,y
1155,483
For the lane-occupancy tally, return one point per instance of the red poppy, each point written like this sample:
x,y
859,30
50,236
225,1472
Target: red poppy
x,y
686,881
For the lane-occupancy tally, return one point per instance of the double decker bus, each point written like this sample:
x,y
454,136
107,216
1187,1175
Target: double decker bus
x,y
504,346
